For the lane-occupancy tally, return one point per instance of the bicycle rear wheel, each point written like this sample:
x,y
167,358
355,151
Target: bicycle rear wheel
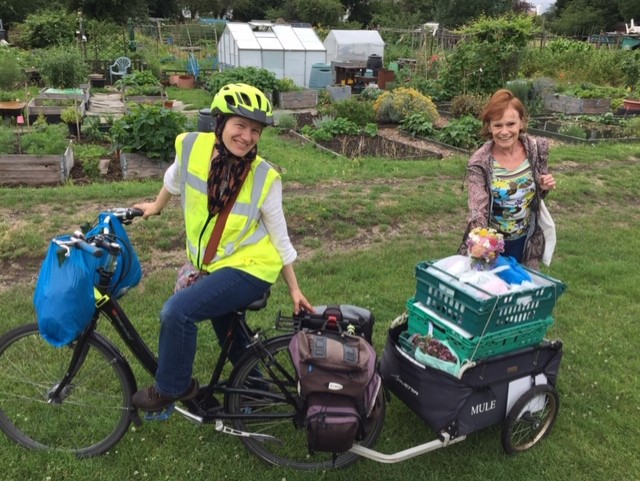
x,y
91,415
291,449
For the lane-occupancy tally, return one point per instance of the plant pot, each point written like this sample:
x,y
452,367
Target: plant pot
x,y
173,79
168,104
186,82
633,105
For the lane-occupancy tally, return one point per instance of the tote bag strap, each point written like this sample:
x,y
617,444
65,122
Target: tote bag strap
x,y
216,235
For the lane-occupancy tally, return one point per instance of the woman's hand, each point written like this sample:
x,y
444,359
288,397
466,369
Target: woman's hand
x,y
300,302
149,209
155,207
547,182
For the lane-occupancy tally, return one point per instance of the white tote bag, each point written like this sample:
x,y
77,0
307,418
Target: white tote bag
x,y
549,230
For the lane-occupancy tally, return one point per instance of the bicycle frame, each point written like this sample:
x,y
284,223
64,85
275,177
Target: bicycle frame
x,y
205,408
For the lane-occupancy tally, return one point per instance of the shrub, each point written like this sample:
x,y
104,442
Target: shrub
x,y
10,70
288,85
45,140
396,105
260,78
360,112
286,121
573,130
7,139
468,104
150,129
632,127
62,67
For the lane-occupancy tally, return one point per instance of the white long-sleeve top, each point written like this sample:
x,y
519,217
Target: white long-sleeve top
x,y
271,211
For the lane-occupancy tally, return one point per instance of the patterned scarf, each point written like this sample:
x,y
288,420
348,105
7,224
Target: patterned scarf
x,y
227,172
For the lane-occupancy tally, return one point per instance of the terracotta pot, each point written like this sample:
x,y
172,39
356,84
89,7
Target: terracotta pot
x,y
173,79
629,104
168,104
186,82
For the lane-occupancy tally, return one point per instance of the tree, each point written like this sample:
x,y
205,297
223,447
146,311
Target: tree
x,y
320,12
15,11
629,9
455,13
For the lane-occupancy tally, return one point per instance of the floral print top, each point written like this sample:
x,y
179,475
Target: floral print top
x,y
512,192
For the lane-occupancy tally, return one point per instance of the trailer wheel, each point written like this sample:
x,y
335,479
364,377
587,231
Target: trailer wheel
x,y
530,419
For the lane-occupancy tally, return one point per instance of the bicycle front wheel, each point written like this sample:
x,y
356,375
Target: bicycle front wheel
x,y
91,414
273,415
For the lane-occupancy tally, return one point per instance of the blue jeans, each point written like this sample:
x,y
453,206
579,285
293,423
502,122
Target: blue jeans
x,y
515,248
214,297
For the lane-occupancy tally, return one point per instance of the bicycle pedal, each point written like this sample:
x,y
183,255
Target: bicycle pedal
x,y
160,415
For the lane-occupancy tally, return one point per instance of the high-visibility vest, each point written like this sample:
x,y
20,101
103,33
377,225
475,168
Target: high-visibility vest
x,y
245,242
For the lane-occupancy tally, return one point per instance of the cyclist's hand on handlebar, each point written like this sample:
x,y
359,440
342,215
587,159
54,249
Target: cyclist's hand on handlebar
x,y
149,209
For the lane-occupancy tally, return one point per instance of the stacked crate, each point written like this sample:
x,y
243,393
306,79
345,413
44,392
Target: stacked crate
x,y
476,323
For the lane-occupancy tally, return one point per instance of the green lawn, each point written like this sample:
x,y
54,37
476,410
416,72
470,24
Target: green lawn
x,y
360,227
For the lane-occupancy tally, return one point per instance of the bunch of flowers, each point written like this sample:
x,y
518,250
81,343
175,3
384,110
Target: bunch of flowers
x,y
484,245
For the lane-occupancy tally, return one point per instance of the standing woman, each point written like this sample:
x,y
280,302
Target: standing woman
x,y
208,172
507,178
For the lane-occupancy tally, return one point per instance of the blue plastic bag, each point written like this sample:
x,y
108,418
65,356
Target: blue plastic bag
x,y
64,299
515,274
128,269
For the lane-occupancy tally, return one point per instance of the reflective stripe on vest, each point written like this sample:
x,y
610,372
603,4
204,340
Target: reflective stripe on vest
x,y
244,230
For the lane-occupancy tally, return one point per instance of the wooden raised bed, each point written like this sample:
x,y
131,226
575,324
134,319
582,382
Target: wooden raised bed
x,y
44,103
36,170
303,99
138,166
574,105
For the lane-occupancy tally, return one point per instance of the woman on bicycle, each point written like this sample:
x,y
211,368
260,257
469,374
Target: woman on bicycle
x,y
210,170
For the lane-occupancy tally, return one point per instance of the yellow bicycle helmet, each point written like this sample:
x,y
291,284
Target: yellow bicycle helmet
x,y
243,100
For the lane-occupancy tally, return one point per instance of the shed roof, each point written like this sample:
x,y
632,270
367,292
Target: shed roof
x,y
268,36
357,36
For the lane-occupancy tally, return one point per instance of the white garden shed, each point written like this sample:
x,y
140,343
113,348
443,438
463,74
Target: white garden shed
x,y
353,45
288,52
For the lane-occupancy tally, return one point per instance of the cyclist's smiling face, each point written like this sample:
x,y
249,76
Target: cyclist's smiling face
x,y
240,135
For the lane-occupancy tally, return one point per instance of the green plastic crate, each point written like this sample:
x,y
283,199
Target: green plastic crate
x,y
470,347
477,311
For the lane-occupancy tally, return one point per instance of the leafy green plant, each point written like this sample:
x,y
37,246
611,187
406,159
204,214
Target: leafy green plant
x,y
94,130
394,106
332,128
463,133
71,115
150,129
418,125
89,155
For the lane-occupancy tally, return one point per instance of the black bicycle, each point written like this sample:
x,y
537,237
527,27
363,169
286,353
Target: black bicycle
x,y
78,398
